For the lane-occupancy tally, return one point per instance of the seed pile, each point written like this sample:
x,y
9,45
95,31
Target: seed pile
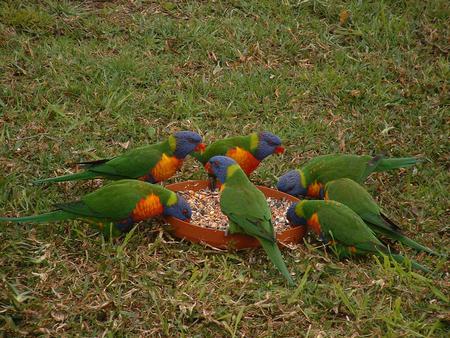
x,y
206,211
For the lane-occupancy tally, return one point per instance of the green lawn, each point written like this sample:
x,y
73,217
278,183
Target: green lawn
x,y
79,79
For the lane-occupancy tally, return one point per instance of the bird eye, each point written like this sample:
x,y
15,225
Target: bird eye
x,y
185,212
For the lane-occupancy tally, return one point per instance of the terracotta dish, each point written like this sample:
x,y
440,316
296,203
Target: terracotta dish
x,y
217,238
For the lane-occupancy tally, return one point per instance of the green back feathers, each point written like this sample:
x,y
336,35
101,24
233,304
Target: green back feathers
x,y
356,167
220,147
245,205
236,176
340,223
134,163
117,200
353,195
330,167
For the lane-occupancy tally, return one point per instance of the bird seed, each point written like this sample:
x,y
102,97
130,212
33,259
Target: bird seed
x,y
206,211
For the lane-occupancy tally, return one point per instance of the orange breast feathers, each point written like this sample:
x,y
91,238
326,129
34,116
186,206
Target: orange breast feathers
x,y
149,206
245,159
314,224
166,167
314,189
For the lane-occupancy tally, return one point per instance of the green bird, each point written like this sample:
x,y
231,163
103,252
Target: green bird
x,y
246,208
248,151
310,178
116,207
354,196
153,163
336,224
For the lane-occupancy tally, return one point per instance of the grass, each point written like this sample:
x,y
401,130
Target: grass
x,y
80,79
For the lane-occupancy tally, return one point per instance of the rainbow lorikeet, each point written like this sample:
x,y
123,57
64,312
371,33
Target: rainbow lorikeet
x,y
114,208
246,208
248,151
354,196
152,163
336,224
310,178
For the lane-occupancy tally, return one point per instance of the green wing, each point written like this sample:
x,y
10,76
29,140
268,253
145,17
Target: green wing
x,y
222,146
114,201
132,164
331,167
340,223
353,195
247,207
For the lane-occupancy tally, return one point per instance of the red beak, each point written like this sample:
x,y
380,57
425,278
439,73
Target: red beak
x,y
200,147
279,150
208,168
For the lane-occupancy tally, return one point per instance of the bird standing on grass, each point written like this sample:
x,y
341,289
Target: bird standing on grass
x,y
153,163
246,208
116,207
354,196
310,178
336,224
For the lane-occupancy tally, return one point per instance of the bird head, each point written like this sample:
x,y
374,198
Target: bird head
x,y
268,144
291,183
186,143
293,217
180,209
218,166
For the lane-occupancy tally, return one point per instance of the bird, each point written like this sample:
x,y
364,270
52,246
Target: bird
x,y
116,207
248,151
246,208
310,178
356,197
152,163
339,226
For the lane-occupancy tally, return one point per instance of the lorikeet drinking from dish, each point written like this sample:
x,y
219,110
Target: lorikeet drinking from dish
x,y
116,207
152,163
310,178
354,196
246,208
336,224
248,151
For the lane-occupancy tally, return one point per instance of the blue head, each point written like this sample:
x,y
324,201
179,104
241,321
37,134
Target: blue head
x,y
293,218
268,144
180,209
218,166
291,183
186,143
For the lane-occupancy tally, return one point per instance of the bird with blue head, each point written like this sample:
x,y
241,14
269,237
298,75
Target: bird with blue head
x,y
116,207
153,163
248,151
246,208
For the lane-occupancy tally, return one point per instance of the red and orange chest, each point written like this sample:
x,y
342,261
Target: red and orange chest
x,y
148,207
245,159
314,224
166,167
314,189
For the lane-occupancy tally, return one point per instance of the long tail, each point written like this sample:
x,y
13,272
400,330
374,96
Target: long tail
x,y
83,175
395,163
275,256
57,215
397,236
400,259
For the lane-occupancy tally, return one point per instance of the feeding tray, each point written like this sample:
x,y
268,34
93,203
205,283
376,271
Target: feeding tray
x,y
217,238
